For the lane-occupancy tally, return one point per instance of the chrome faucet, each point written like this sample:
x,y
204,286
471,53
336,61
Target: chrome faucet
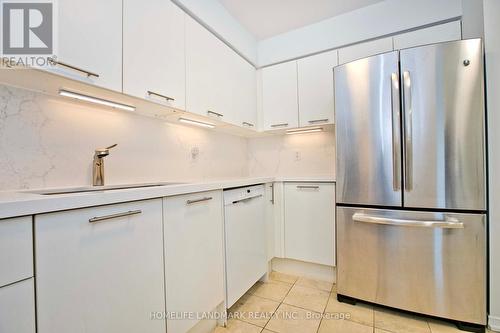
x,y
98,169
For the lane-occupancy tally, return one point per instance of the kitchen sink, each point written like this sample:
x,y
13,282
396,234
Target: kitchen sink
x,y
99,188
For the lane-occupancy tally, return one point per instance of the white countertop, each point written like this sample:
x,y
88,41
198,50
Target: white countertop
x,y
21,203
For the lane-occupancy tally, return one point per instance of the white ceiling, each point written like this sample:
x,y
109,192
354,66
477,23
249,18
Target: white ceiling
x,y
267,18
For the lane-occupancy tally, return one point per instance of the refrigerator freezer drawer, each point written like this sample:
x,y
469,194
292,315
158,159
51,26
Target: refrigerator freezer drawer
x,y
425,262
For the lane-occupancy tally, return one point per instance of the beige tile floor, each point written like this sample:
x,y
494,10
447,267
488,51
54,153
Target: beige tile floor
x,y
289,304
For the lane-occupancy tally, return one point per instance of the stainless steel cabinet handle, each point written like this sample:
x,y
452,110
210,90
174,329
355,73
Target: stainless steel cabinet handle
x,y
396,133
60,63
307,186
315,121
114,216
280,125
215,113
247,124
189,202
448,223
160,95
247,199
408,129
272,193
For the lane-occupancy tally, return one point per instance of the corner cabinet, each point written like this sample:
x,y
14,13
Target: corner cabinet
x,y
280,107
309,215
194,257
298,93
219,83
100,269
90,39
153,51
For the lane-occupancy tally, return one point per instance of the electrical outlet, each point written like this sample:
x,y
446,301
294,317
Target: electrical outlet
x,y
297,156
195,153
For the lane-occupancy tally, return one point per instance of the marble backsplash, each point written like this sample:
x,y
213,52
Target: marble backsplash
x,y
48,141
299,155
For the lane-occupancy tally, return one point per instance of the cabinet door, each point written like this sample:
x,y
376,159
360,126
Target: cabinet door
x,y
101,275
310,222
243,93
315,77
194,256
17,307
206,72
279,96
90,38
440,33
363,50
16,249
153,51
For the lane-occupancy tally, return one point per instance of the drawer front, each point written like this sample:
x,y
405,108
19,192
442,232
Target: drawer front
x,y
17,307
16,250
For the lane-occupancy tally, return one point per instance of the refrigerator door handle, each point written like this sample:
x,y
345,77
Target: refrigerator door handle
x,y
396,133
447,223
408,129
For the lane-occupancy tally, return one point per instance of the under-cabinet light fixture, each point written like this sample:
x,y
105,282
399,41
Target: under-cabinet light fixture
x,y
305,130
196,123
96,100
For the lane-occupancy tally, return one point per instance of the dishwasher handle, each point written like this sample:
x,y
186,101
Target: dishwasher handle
x,y
247,199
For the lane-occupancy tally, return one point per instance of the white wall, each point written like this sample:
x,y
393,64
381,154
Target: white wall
x,y
492,52
370,22
215,17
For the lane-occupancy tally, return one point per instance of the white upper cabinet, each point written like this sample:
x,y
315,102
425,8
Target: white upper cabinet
x,y
153,51
90,39
204,71
437,34
279,96
243,93
219,83
315,82
364,50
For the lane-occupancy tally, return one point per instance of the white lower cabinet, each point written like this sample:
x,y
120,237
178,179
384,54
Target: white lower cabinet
x,y
309,210
100,269
17,307
16,250
194,257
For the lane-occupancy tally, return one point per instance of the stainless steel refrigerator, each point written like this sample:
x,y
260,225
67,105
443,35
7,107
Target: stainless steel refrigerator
x,y
411,180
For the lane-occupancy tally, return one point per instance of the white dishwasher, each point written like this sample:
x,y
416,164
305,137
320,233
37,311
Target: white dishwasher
x,y
245,231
